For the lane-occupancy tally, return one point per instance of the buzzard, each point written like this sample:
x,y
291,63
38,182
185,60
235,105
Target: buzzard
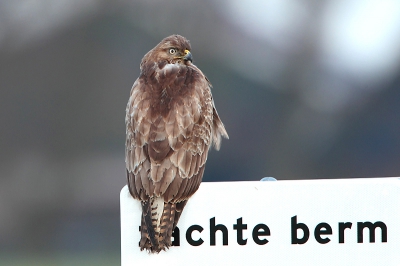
x,y
171,122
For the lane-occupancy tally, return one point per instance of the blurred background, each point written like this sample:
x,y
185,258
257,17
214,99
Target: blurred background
x,y
306,89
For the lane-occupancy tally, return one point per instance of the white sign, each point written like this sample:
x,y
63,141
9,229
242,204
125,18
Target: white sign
x,y
307,222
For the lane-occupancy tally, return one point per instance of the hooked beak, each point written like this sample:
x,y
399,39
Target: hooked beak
x,y
188,56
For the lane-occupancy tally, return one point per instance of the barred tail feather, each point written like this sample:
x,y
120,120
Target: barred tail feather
x,y
148,234
159,219
178,211
167,225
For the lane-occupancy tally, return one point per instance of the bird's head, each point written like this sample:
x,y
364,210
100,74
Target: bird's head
x,y
173,49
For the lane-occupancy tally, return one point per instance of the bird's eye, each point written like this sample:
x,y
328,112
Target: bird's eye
x,y
172,51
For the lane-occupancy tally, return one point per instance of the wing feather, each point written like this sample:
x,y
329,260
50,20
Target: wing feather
x,y
169,132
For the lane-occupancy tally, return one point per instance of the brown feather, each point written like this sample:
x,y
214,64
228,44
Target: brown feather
x,y
171,192
171,121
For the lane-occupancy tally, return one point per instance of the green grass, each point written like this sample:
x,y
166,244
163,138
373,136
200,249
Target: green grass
x,y
88,259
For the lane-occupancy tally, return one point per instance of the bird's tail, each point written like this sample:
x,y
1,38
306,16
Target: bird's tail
x,y
148,234
159,219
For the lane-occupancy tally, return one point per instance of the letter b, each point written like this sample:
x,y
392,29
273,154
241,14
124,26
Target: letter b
x,y
295,227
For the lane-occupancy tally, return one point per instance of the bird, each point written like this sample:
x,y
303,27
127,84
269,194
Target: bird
x,y
171,123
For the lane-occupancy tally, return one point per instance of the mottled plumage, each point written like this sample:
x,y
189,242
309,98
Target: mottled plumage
x,y
171,122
